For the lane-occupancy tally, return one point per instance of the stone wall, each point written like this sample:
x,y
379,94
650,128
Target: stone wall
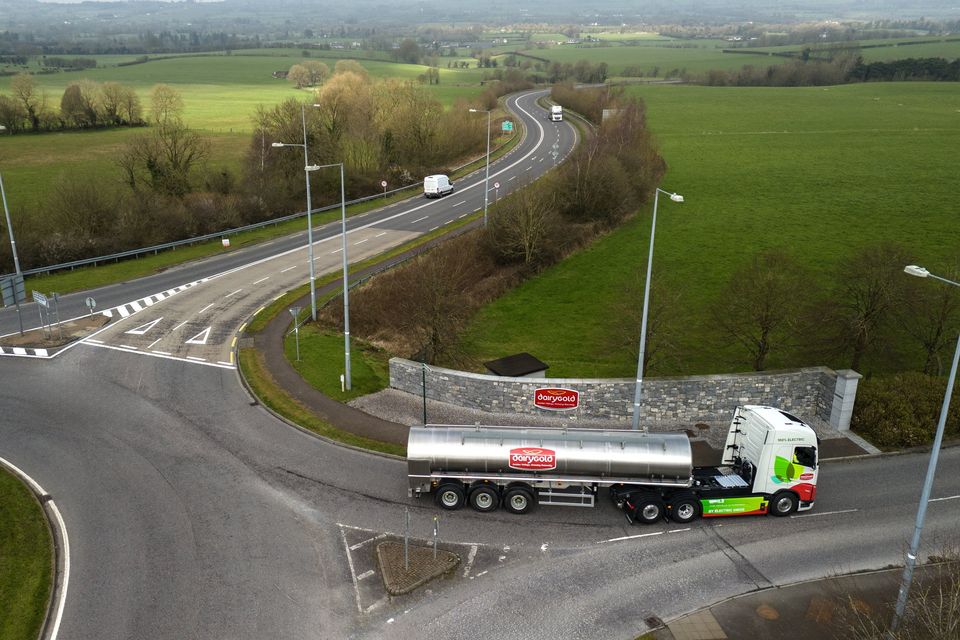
x,y
810,393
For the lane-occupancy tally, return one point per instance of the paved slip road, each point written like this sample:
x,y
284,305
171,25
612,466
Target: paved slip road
x,y
194,514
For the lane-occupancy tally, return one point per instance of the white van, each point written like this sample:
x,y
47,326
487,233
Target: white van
x,y
437,186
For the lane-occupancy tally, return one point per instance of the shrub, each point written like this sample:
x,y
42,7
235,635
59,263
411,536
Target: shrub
x,y
902,410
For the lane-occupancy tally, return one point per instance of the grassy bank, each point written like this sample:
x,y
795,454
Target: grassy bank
x,y
26,560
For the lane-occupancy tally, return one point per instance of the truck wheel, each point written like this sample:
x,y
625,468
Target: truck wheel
x,y
450,496
783,504
685,508
649,510
518,501
484,499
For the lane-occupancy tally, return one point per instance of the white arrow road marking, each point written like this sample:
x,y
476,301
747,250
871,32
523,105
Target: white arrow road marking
x,y
142,329
200,338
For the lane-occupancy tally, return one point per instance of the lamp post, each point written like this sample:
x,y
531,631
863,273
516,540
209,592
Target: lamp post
x,y
676,197
307,168
13,249
911,560
486,179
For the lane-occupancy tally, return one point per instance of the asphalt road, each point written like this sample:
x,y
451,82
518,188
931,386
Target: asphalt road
x,y
193,513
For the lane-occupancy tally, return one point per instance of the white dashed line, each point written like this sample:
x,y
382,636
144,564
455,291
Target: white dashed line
x,y
940,499
433,229
233,293
289,268
96,341
380,234
460,203
162,353
126,346
511,178
365,574
419,219
463,216
360,241
154,342
826,513
262,280
196,358
180,325
640,535
208,306
337,250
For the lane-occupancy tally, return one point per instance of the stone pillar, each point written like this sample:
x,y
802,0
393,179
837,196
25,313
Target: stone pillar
x,y
844,395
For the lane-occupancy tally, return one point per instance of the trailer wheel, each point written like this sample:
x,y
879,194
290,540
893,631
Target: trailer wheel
x,y
518,500
450,496
784,503
649,510
685,508
484,499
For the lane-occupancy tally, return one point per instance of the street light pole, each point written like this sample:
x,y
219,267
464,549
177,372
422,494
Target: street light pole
x,y
911,559
13,248
346,284
646,302
486,179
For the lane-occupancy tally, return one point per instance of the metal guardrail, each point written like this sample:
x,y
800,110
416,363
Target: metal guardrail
x,y
218,234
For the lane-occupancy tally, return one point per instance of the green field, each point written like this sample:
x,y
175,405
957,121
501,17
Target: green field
x,y
26,557
821,172
703,56
884,50
220,94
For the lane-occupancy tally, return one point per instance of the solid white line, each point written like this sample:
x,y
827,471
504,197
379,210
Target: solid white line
x,y
641,535
825,513
66,543
262,280
419,219
126,346
233,293
180,325
208,306
288,268
353,572
941,499
154,342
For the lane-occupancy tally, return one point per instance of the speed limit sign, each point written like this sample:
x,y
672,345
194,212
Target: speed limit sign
x,y
496,185
383,183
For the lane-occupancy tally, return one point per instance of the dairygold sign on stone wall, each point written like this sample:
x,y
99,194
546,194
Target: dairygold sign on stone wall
x,y
556,399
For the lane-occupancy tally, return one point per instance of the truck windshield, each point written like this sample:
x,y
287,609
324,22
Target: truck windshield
x,y
807,456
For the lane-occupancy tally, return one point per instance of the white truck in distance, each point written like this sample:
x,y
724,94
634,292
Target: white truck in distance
x,y
769,465
556,113
437,186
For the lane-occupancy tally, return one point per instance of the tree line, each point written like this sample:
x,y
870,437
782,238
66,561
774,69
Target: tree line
x,y
84,104
164,186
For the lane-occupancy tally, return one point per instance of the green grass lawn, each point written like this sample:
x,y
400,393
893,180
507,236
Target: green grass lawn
x,y
821,172
26,560
665,56
369,368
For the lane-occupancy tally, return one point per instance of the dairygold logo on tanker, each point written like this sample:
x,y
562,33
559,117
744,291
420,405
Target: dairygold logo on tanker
x,y
556,399
533,459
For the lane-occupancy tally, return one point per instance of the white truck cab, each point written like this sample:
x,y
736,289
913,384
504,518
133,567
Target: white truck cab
x,y
437,186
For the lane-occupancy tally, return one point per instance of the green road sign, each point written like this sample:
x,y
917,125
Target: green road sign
x,y
507,125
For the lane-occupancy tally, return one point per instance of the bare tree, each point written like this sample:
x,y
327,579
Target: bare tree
x,y
663,319
350,66
757,309
319,72
299,75
526,228
25,91
931,316
166,103
164,159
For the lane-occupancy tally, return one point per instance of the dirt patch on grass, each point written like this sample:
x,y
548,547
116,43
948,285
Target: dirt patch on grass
x,y
55,336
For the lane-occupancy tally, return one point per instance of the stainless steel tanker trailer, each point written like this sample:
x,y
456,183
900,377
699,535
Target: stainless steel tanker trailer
x,y
769,465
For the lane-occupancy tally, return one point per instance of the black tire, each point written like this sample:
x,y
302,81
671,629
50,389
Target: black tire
x,y
684,508
783,503
518,500
450,496
484,498
649,509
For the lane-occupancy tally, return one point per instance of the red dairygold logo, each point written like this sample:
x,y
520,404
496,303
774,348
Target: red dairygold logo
x,y
533,459
806,476
556,399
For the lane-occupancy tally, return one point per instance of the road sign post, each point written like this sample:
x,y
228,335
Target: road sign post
x,y
295,311
13,250
507,126
14,293
42,303
383,183
91,304
496,191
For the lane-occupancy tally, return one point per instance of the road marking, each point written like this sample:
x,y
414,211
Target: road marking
x,y
242,327
463,216
196,358
225,363
162,353
825,513
460,203
154,342
336,251
360,241
262,280
126,346
142,329
233,342
433,229
180,325
419,219
92,340
353,572
365,574
200,338
640,535
289,268
941,499
233,293
259,310
380,234
206,307
155,354
135,306
470,558
511,178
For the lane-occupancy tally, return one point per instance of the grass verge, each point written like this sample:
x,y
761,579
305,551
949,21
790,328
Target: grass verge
x,y
26,561
321,363
277,399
